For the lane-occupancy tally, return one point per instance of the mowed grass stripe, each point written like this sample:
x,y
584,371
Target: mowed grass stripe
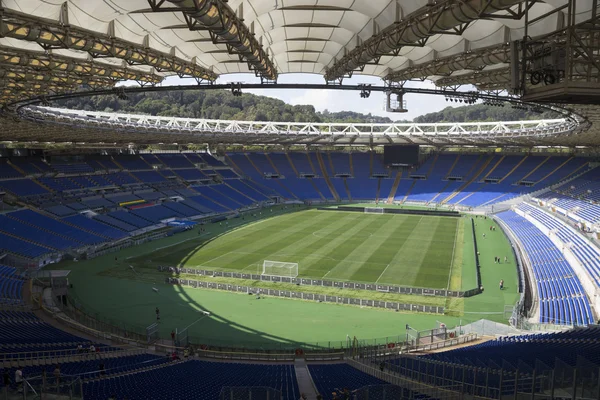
x,y
341,247
436,257
242,252
356,265
324,251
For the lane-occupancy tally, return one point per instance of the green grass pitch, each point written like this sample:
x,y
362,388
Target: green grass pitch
x,y
396,249
419,251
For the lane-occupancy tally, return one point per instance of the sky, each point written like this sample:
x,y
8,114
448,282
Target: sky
x,y
336,100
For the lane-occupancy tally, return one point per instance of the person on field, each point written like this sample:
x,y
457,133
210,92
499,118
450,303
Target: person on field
x,y
501,284
505,260
173,336
495,260
157,314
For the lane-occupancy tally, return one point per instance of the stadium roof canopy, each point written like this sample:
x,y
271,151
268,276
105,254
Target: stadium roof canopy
x,y
57,46
392,39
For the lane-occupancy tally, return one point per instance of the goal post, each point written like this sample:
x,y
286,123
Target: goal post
x,y
278,268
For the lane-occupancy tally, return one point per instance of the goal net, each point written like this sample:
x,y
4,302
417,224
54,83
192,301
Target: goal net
x,y
277,268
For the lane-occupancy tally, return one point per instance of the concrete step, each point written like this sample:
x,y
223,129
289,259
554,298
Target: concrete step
x,y
305,382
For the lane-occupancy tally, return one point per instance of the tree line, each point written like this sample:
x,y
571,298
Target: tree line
x,y
221,104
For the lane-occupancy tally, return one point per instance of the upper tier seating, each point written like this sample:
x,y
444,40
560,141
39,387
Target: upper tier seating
x,y
191,174
175,160
31,165
7,171
149,176
200,380
562,298
11,286
72,168
132,163
23,187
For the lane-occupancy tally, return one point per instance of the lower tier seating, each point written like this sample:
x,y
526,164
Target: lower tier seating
x,y
562,298
200,380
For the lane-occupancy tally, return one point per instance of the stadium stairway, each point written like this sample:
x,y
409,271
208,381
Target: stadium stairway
x,y
559,167
453,165
494,167
15,166
414,182
392,193
471,180
347,189
234,165
316,189
305,382
241,194
440,192
254,165
272,164
435,158
513,169
312,165
330,163
335,194
534,169
352,164
287,155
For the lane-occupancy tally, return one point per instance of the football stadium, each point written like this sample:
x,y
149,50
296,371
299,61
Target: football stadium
x,y
294,199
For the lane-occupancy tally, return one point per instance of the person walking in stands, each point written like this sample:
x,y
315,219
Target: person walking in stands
x,y
57,374
19,379
157,315
501,284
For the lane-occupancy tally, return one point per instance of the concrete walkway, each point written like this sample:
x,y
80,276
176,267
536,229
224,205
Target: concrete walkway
x,y
305,383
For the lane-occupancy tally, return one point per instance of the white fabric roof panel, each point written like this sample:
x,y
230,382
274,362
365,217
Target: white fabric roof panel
x,y
299,35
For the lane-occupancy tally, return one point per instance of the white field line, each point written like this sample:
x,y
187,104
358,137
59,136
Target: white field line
x,y
382,273
452,259
202,317
165,247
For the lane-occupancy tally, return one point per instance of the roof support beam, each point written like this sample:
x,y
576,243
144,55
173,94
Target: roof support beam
x,y
474,60
52,35
449,15
49,63
225,27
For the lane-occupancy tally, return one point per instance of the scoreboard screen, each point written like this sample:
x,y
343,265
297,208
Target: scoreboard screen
x,y
400,155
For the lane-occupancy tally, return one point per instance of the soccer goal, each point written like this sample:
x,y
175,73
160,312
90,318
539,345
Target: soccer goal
x,y
277,268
